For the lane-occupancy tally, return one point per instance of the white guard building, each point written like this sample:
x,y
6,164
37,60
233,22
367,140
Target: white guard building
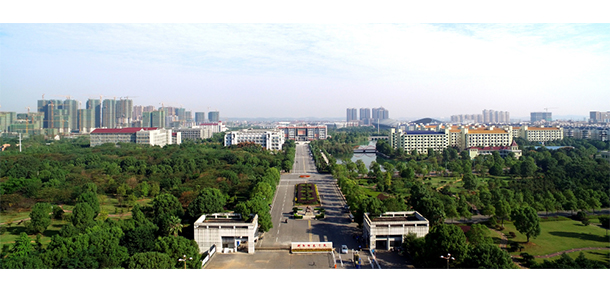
x,y
389,229
228,231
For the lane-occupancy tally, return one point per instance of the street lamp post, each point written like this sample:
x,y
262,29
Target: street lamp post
x,y
184,259
448,257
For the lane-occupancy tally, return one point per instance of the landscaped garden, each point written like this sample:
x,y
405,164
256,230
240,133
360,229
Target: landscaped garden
x,y
307,194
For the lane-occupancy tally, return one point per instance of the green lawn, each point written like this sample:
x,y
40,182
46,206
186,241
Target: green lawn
x,y
15,229
370,191
13,232
14,216
602,256
557,236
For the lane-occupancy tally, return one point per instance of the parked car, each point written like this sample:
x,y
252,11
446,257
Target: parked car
x,y
344,248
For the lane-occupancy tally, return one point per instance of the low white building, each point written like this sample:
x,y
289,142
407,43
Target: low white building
x,y
201,131
228,231
272,139
389,229
145,136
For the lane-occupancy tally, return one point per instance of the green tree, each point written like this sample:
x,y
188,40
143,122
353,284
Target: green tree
x,y
528,167
140,239
175,225
39,218
150,260
83,216
90,198
443,239
487,256
527,222
432,208
362,170
208,201
177,246
503,210
478,234
470,181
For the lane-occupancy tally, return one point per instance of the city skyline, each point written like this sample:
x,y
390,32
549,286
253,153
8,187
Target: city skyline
x,y
290,70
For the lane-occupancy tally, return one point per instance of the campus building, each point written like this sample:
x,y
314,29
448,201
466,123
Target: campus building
x,y
269,139
304,132
502,150
419,140
485,137
202,131
144,136
388,230
541,134
227,231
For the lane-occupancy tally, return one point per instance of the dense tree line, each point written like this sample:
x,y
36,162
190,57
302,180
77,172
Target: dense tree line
x,y
502,188
184,182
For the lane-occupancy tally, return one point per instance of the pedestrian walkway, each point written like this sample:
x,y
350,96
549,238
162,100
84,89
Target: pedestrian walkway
x,y
570,251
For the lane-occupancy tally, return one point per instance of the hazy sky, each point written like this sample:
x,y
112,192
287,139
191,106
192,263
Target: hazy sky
x,y
313,70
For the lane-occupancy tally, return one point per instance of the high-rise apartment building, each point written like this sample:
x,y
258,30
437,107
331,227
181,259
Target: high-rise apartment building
x,y
124,112
6,119
96,107
71,107
155,119
365,116
213,117
137,112
109,113
539,116
199,118
87,120
599,117
47,106
352,115
380,114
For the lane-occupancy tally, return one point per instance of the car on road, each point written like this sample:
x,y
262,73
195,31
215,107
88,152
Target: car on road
x,y
344,248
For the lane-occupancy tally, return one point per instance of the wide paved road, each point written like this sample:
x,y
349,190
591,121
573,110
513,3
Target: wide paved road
x,y
336,227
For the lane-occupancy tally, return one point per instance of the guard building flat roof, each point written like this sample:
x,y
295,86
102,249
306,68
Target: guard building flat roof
x,y
388,229
229,232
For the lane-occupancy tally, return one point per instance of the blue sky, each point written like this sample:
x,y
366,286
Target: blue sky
x,y
305,70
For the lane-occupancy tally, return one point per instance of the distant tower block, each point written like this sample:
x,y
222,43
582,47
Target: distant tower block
x,y
214,116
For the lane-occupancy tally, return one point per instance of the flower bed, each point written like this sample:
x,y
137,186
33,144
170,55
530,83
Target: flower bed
x,y
307,193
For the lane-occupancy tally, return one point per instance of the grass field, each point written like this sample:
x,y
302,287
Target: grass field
x,y
15,229
596,255
557,236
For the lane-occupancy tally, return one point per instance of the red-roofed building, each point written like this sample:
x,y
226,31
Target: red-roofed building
x,y
139,135
502,150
